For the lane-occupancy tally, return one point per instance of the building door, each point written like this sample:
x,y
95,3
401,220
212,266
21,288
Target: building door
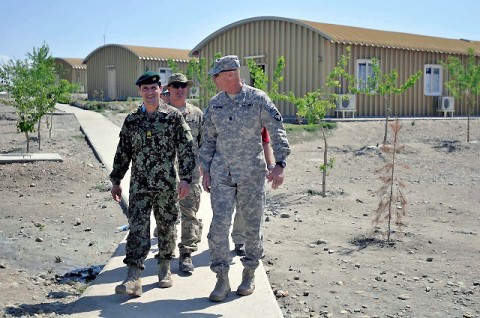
x,y
111,83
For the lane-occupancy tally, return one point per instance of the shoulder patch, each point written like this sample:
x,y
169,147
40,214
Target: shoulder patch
x,y
274,112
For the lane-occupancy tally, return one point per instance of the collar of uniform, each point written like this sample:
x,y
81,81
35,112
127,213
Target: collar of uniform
x,y
241,96
162,108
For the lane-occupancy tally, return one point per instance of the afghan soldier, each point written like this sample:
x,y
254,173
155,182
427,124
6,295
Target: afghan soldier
x,y
234,168
151,139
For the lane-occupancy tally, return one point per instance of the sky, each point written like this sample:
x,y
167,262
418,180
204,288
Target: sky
x,y
73,29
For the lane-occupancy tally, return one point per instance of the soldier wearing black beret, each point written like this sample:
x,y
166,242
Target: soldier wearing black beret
x,y
149,78
151,138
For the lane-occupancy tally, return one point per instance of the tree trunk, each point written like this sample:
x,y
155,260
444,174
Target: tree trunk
x,y
28,141
50,126
387,116
468,127
39,135
325,164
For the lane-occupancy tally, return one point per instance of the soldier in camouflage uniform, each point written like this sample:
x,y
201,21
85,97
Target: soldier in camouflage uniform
x,y
150,139
234,168
191,226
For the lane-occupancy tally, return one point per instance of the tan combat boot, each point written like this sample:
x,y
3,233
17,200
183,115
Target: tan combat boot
x,y
164,274
222,288
185,262
248,282
132,285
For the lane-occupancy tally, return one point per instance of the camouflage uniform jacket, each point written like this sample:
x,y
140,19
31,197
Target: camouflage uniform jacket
x,y
152,144
232,142
194,118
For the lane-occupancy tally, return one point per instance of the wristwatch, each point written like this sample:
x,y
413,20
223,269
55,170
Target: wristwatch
x,y
282,163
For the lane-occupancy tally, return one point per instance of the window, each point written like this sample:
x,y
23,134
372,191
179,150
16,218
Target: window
x,y
164,75
364,72
432,80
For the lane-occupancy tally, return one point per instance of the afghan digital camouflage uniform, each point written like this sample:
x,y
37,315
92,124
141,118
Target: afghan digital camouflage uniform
x,y
191,232
232,153
152,144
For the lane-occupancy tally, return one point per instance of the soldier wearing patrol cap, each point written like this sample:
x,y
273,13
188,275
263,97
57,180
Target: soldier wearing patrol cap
x,y
234,168
151,139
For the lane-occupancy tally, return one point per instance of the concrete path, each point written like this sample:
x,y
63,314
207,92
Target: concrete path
x,y
189,295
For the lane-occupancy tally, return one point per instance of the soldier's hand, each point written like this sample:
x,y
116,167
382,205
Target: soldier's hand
x,y
276,177
116,192
206,182
183,189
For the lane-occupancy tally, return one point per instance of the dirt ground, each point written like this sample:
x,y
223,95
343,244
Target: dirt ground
x,y
321,256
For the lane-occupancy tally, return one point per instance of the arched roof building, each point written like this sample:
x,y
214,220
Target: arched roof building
x,y
313,49
113,68
73,70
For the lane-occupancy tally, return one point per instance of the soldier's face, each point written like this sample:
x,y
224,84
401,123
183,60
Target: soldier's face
x,y
178,93
150,93
219,80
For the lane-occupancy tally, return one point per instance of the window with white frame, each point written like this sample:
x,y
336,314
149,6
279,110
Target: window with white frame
x,y
164,75
364,72
432,80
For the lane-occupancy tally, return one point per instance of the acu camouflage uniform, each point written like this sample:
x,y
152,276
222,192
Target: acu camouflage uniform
x,y
191,226
151,144
232,154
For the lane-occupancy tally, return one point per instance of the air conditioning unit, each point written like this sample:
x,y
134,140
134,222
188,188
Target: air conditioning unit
x,y
346,102
446,103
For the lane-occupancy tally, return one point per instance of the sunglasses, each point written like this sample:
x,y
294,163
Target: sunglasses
x,y
178,85
218,74
166,94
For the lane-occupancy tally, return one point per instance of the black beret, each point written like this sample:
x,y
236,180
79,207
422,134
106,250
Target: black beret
x,y
149,78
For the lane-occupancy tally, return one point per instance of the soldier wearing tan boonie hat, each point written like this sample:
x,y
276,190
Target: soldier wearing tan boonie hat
x,y
191,226
179,78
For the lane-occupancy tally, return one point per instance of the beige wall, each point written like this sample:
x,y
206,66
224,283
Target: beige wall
x,y
73,75
310,57
128,67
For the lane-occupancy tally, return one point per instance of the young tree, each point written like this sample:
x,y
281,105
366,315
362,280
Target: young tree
x,y
385,84
17,77
313,106
33,85
465,82
393,203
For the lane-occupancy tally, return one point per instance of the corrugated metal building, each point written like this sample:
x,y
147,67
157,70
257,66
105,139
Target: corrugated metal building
x,y
73,70
112,69
313,49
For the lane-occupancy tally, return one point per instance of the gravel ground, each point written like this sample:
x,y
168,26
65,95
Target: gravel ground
x,y
322,257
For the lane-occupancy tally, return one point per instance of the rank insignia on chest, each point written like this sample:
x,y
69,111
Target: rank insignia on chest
x,y
149,134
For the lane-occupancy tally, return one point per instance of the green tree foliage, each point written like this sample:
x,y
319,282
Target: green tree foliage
x,y
260,79
173,66
197,71
378,83
313,106
34,88
464,81
385,84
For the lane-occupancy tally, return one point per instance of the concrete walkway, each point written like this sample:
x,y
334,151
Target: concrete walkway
x,y
189,295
